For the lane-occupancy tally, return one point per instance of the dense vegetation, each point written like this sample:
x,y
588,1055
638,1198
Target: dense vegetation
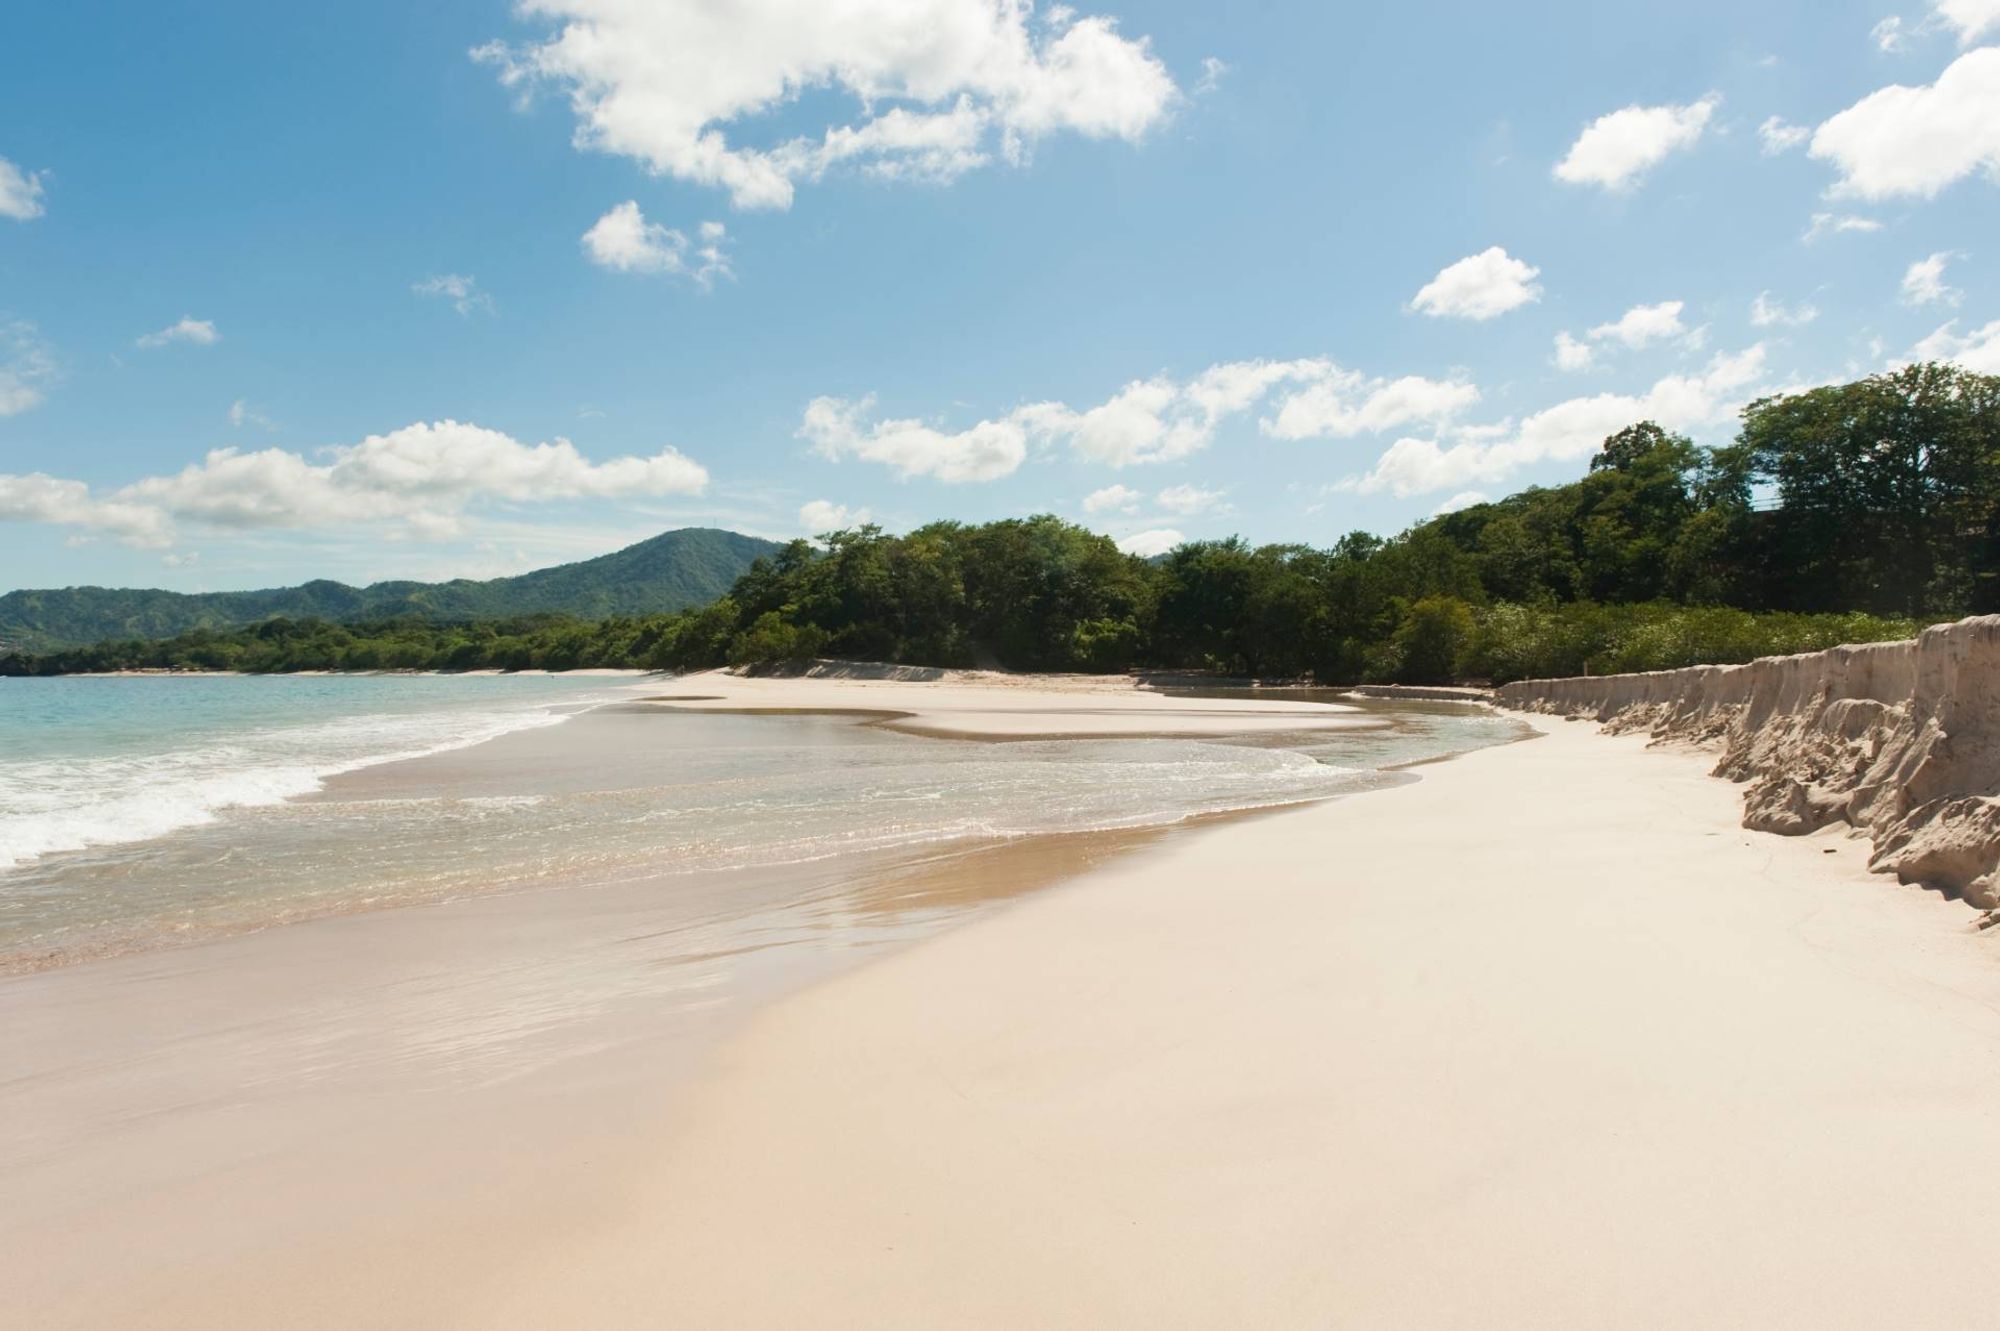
x,y
671,571
1841,514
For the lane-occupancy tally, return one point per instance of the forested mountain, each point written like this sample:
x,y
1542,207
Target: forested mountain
x,y
1841,514
671,571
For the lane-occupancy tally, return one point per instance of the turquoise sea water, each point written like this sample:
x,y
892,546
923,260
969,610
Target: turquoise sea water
x,y
140,811
102,761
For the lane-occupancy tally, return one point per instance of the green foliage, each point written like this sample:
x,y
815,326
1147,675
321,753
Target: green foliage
x,y
1887,508
1432,640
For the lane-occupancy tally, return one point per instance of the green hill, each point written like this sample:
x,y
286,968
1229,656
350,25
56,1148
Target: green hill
x,y
671,571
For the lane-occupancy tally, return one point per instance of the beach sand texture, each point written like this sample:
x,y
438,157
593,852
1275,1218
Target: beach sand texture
x,y
1543,1040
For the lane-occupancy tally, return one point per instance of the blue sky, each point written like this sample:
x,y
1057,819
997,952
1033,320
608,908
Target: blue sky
x,y
382,290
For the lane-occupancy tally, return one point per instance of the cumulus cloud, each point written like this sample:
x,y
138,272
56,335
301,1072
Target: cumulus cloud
x,y
1970,19
1161,419
1480,286
1888,35
1573,354
625,242
1768,313
422,476
194,332
1615,151
1778,137
1833,224
1924,284
1978,351
1187,500
1568,431
941,86
1147,544
27,367
838,428
461,289
1643,325
819,516
37,497
20,192
1913,142
1338,404
1463,499
1212,71
1113,499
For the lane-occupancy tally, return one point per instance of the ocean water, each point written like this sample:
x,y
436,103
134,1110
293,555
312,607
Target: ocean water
x,y
136,812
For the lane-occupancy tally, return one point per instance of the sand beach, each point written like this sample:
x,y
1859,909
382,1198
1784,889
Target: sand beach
x,y
1539,1037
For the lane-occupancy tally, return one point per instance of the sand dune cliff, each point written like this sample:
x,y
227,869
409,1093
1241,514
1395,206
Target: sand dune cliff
x,y
1899,739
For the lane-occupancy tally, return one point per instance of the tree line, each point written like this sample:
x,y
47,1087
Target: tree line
x,y
1845,513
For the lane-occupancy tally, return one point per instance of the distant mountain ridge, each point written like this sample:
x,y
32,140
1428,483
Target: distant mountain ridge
x,y
671,571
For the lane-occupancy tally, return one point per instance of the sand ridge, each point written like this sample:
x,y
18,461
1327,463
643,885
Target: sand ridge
x,y
980,704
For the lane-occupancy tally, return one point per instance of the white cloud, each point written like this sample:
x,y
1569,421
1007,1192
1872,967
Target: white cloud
x,y
422,476
1778,137
941,85
461,289
194,332
1768,313
242,413
1341,403
1463,499
1212,71
820,516
1901,141
1480,286
1187,500
625,242
836,428
1643,325
26,367
1888,34
1924,284
41,498
1617,149
1567,431
1113,499
1573,354
1978,350
1160,419
1970,19
20,192
1147,544
1825,224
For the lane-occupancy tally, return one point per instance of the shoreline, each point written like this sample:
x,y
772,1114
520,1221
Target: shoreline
x,y
375,1031
1541,1036
1664,1071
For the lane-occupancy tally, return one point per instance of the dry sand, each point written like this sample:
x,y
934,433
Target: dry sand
x,y
1542,1040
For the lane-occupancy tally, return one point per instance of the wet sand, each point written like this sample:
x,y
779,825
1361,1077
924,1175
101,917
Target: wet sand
x,y
362,1118
1544,1039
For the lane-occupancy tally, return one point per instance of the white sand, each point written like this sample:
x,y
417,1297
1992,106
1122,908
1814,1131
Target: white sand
x,y
1543,1040
975,704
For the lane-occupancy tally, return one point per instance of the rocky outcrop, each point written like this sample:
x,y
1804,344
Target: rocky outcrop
x,y
1899,739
